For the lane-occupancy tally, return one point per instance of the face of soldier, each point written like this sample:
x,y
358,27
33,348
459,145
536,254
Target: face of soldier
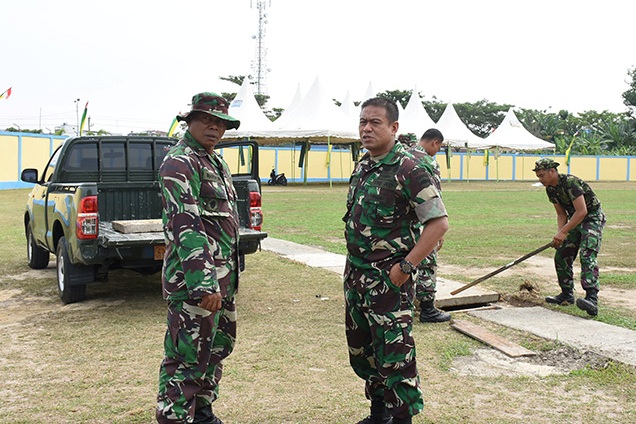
x,y
207,130
432,146
548,177
377,134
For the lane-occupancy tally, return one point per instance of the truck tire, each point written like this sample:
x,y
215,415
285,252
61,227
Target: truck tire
x,y
65,269
38,258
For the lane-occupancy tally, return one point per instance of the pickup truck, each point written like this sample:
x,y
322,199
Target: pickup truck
x,y
97,206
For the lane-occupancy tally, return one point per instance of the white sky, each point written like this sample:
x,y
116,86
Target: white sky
x,y
138,62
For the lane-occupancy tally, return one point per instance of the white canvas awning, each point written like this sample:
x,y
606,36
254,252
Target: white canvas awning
x,y
511,134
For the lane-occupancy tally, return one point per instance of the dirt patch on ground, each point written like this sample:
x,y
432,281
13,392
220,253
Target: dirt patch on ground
x,y
533,294
562,360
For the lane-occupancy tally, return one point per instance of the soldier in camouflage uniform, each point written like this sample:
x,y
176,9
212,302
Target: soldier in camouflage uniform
x,y
201,269
390,197
425,286
580,221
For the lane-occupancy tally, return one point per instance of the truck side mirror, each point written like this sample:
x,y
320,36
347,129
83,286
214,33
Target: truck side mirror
x,y
29,175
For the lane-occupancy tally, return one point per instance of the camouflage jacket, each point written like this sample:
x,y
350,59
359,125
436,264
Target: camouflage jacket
x,y
430,163
569,188
388,200
200,222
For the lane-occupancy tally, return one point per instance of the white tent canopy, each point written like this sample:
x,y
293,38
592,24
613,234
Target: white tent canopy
x,y
298,97
456,133
349,109
245,108
316,119
414,118
511,134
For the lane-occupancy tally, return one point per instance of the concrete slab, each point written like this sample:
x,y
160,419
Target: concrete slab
x,y
610,341
472,296
317,257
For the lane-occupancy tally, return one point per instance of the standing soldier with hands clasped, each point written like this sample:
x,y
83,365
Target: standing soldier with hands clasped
x,y
425,286
580,221
390,197
201,269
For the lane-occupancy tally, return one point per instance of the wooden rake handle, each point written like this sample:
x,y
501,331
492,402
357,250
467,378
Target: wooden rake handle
x,y
498,270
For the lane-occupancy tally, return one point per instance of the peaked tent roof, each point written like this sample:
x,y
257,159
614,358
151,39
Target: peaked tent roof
x,y
349,109
292,105
511,134
456,133
245,108
316,118
414,118
369,94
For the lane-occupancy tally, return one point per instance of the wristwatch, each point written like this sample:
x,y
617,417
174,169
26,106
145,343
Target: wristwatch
x,y
407,267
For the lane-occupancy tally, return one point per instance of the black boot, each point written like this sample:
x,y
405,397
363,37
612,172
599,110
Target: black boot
x,y
379,413
205,416
565,298
590,303
408,420
431,314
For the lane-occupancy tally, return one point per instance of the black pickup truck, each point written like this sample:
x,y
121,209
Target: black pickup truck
x,y
97,206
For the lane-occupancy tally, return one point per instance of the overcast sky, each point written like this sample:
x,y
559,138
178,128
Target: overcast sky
x,y
138,62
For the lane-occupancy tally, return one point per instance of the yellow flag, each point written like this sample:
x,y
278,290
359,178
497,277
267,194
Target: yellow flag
x,y
173,127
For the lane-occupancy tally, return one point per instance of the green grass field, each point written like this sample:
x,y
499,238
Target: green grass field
x,y
97,361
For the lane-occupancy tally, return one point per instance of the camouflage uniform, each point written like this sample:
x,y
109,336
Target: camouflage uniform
x,y
585,237
388,200
426,284
201,227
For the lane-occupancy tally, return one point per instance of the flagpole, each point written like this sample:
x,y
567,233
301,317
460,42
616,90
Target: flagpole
x,y
77,116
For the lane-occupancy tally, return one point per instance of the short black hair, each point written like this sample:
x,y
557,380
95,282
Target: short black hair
x,y
392,112
432,134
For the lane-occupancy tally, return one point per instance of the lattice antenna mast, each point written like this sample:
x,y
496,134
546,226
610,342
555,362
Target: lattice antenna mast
x,y
259,65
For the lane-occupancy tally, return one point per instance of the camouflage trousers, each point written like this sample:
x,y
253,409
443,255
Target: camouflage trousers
x,y
426,280
584,240
195,344
379,323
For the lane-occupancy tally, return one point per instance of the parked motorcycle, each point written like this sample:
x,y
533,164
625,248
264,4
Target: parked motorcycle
x,y
277,179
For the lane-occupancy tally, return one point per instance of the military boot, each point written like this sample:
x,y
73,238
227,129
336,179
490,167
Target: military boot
x,y
590,303
205,416
408,420
379,413
565,298
430,314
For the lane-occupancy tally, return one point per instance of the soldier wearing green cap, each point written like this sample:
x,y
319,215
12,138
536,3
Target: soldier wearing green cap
x,y
580,222
201,269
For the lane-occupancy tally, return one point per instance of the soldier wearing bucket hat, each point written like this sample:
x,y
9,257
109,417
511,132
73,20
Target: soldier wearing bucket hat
x,y
201,267
580,222
211,104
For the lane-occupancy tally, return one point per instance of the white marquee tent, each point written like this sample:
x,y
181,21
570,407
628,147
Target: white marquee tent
x,y
456,133
511,134
414,118
315,119
245,108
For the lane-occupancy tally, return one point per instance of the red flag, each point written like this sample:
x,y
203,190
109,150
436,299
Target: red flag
x,y
6,94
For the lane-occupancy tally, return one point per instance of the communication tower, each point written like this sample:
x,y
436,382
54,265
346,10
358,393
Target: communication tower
x,y
259,64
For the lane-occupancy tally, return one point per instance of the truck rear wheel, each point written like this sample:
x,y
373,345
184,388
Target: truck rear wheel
x,y
68,293
38,258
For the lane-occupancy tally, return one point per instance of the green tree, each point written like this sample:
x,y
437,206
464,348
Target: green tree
x,y
629,96
401,96
481,117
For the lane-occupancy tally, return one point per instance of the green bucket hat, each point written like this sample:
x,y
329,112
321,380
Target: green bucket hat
x,y
545,163
212,104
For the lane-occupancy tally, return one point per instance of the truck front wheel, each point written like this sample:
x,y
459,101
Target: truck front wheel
x,y
69,293
38,258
